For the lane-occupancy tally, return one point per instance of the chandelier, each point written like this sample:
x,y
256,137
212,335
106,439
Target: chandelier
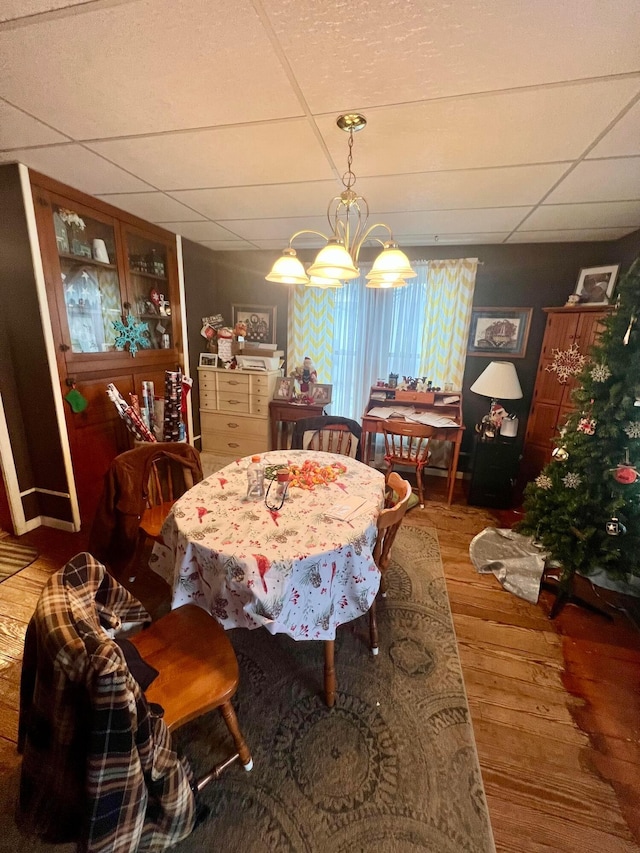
x,y
337,261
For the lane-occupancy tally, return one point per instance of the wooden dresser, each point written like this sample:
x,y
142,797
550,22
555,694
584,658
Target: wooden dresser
x,y
552,403
234,410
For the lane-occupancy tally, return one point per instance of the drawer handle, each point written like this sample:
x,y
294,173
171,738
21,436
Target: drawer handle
x,y
233,382
233,444
233,426
234,402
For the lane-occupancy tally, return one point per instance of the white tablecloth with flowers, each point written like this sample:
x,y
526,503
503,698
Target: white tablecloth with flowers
x,y
296,570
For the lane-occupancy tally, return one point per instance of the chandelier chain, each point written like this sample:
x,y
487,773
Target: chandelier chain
x,y
349,175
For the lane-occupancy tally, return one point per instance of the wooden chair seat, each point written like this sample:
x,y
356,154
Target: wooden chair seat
x,y
198,671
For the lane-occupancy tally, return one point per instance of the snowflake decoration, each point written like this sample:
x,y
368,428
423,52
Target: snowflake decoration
x,y
543,482
632,429
572,481
600,373
133,332
566,363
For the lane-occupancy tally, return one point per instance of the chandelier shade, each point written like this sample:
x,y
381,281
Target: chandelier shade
x,y
347,215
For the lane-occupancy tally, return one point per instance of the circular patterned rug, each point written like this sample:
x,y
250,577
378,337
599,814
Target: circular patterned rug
x,y
392,766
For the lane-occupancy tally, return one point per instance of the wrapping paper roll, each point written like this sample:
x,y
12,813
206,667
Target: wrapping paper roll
x,y
172,405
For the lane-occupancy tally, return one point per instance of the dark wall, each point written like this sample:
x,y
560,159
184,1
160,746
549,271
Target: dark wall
x,y
520,275
25,381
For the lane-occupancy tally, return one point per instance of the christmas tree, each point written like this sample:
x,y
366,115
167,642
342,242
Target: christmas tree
x,y
584,508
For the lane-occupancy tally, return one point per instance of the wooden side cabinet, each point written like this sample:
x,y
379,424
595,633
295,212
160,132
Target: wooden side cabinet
x,y
494,468
552,402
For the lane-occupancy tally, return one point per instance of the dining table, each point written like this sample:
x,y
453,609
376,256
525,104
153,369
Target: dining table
x,y
303,568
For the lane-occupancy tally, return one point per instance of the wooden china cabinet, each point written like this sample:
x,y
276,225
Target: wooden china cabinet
x,y
552,402
103,265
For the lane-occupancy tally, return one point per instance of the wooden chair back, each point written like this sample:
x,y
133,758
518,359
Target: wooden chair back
x,y
390,519
333,438
407,443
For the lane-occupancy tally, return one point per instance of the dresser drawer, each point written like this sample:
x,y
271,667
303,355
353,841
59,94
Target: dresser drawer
x,y
260,384
208,398
259,406
228,424
232,380
206,380
232,445
233,401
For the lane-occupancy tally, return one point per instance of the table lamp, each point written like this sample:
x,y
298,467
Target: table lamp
x,y
499,381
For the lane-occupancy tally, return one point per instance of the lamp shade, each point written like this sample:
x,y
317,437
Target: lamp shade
x,y
333,261
391,260
499,380
288,269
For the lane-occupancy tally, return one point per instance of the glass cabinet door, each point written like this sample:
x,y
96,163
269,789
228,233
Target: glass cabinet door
x,y
89,278
149,287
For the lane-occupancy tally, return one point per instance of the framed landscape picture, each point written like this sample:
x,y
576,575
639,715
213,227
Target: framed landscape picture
x,y
260,321
499,332
595,284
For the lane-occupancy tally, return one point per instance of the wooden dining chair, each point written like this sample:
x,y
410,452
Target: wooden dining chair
x,y
168,480
407,444
198,671
329,433
389,522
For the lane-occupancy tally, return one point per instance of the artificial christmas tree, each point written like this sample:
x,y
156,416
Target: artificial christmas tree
x,y
584,508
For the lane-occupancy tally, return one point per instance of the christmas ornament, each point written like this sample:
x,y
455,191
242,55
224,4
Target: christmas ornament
x,y
132,333
600,373
572,481
560,454
587,426
627,334
543,482
632,429
625,473
615,527
566,363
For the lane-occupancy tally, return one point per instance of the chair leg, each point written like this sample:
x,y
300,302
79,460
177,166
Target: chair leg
x,y
373,629
419,481
134,565
329,673
234,729
383,584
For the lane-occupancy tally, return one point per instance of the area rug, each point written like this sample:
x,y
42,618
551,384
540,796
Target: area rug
x,y
392,768
14,557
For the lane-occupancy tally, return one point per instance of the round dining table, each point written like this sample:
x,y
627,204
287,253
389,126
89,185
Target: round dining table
x,y
302,569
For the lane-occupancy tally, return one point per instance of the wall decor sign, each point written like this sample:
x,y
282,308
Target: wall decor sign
x,y
499,332
260,321
595,284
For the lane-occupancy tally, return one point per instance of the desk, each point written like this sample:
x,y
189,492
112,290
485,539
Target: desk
x,y
296,571
282,412
432,403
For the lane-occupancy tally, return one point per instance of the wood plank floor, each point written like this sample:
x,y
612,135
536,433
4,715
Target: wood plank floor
x,y
555,705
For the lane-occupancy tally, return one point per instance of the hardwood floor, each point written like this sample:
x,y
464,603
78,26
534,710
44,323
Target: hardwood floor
x,y
555,705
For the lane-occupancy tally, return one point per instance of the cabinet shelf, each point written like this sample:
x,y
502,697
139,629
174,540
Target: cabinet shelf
x,y
148,275
83,259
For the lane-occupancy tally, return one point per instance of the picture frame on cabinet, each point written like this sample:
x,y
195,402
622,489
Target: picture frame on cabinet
x,y
499,332
285,388
208,359
595,285
320,394
260,321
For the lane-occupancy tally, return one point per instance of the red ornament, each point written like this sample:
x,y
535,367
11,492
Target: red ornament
x,y
625,475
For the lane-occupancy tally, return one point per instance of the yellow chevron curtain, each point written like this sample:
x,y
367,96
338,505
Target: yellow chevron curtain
x,y
450,285
310,329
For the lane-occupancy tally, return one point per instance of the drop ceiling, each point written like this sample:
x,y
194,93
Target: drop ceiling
x,y
488,122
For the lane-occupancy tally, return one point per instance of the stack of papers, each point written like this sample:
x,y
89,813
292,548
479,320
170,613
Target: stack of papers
x,y
346,508
385,412
431,419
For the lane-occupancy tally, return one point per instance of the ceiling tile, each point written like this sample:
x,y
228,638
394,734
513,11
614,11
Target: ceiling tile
x,y
226,245
517,185
600,180
11,10
303,199
504,129
223,157
624,137
18,129
199,231
621,214
474,239
278,229
381,52
441,222
147,66
74,165
569,236
153,206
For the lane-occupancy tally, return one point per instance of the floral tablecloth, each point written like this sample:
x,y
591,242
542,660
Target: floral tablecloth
x,y
295,571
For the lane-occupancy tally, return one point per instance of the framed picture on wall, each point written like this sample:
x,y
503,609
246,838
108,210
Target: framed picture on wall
x,y
499,332
260,321
595,284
